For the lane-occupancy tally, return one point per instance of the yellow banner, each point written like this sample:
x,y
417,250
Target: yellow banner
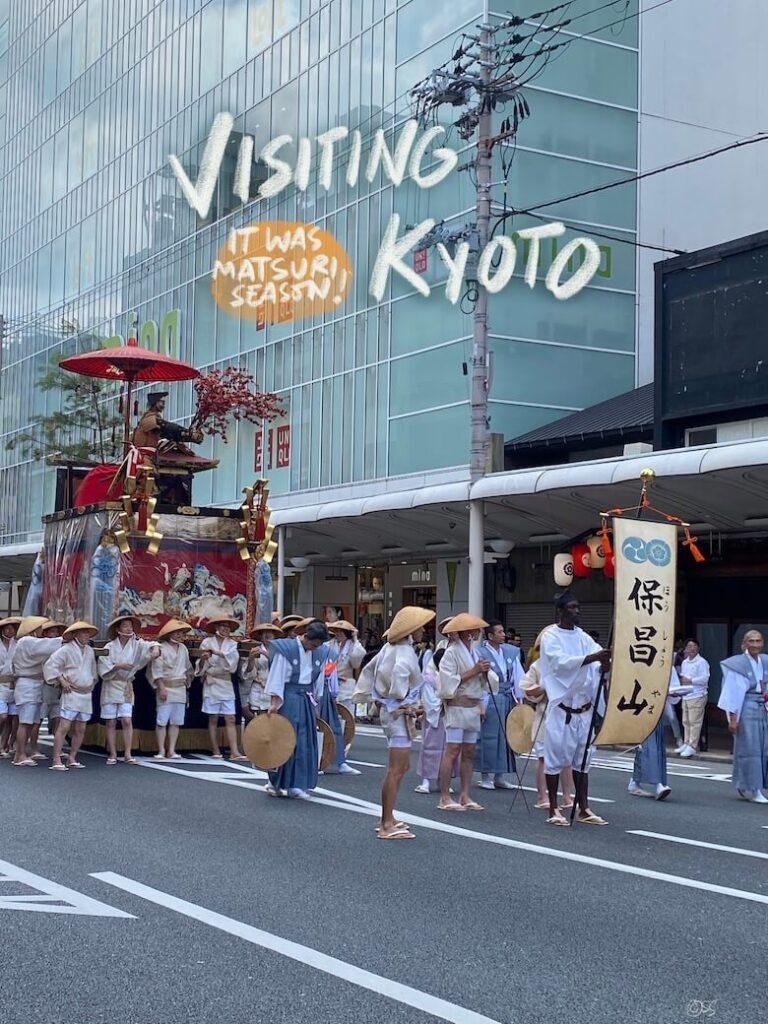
x,y
643,629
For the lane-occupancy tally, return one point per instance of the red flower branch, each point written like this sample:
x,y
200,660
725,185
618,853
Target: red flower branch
x,y
222,394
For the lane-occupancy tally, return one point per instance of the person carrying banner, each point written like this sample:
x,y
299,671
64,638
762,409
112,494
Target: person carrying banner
x,y
170,676
219,660
743,698
465,679
392,680
294,686
126,654
571,663
73,668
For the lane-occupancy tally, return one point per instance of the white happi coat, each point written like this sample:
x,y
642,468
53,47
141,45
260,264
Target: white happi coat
x,y
7,647
255,679
568,683
30,655
349,656
457,660
174,669
76,665
117,683
216,671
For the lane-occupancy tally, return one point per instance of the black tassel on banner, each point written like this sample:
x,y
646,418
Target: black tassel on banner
x,y
135,407
121,404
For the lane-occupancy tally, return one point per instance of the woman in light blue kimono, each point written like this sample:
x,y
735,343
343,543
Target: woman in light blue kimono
x,y
294,686
743,698
494,759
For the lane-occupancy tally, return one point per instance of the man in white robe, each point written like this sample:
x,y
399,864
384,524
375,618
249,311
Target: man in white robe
x,y
219,659
465,679
8,629
32,651
570,667
393,681
348,654
73,668
126,654
744,698
170,676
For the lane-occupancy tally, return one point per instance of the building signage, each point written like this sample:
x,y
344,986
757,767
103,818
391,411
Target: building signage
x,y
249,268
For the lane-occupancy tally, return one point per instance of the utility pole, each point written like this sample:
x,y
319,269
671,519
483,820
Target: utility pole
x,y
478,417
481,69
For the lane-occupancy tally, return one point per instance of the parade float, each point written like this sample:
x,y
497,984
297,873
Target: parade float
x,y
127,538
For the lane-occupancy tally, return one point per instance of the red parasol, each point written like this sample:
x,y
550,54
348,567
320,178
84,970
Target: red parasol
x,y
129,363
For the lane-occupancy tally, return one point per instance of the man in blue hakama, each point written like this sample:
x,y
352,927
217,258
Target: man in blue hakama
x,y
650,769
294,686
494,759
743,698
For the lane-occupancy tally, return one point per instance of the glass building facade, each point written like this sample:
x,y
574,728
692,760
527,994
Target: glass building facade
x,y
97,240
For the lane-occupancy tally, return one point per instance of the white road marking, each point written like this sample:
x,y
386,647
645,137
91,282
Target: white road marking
x,y
627,869
697,842
367,764
301,954
50,896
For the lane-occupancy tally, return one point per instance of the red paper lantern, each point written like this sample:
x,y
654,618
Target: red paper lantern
x,y
609,569
582,563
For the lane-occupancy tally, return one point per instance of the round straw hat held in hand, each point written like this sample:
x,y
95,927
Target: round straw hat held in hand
x,y
269,741
328,755
519,729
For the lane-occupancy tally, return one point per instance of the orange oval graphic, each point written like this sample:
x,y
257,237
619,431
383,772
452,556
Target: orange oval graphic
x,y
280,270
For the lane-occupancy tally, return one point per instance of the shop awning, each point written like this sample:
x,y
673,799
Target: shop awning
x,y
722,488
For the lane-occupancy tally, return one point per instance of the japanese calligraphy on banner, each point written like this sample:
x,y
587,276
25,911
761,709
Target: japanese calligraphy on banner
x,y
643,629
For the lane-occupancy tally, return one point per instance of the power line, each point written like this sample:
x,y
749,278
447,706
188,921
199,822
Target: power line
x,y
761,137
613,238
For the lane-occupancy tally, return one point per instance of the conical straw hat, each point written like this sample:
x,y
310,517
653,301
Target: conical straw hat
x,y
264,627
406,621
221,620
464,621
341,624
173,626
12,620
70,631
114,625
29,624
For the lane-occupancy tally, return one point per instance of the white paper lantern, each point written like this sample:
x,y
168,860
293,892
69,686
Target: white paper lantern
x,y
596,552
563,570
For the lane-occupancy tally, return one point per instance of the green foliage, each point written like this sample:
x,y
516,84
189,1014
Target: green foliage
x,y
87,426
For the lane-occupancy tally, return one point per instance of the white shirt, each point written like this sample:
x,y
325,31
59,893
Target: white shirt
x,y
28,659
7,647
76,664
174,669
117,685
695,669
216,671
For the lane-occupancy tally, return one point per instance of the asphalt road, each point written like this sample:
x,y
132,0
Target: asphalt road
x,y
247,908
